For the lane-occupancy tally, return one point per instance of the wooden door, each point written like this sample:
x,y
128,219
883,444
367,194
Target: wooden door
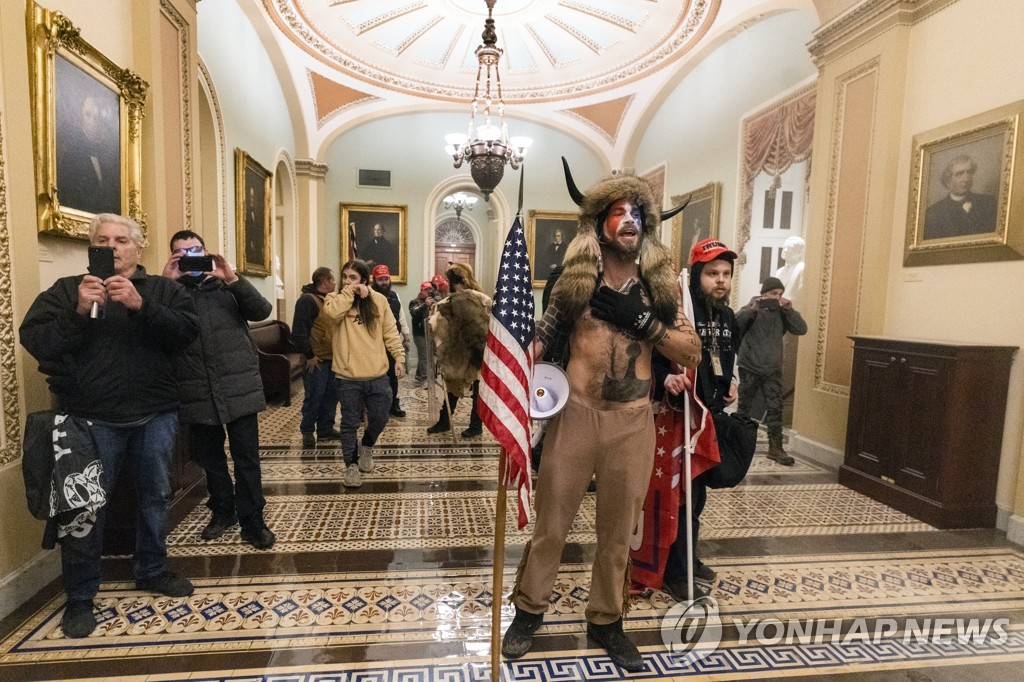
x,y
445,254
874,436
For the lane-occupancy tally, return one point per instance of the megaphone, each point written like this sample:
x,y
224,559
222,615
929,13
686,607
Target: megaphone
x,y
549,391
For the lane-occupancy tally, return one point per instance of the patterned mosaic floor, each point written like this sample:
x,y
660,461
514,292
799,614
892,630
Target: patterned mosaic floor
x,y
295,613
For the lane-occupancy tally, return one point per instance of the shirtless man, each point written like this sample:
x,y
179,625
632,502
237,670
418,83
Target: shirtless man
x,y
612,310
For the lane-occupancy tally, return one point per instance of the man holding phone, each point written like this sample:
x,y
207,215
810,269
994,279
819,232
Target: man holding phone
x,y
220,386
117,371
763,322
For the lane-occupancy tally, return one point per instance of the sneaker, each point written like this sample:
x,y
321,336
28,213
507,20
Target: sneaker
x,y
308,440
353,479
472,431
397,412
365,458
329,434
78,620
677,590
519,637
258,535
620,648
217,525
167,583
702,571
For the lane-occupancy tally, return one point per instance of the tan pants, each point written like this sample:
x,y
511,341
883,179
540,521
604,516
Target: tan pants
x,y
617,446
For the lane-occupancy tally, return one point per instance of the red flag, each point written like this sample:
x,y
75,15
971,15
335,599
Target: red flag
x,y
504,404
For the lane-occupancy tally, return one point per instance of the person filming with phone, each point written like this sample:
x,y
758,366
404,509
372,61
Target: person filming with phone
x,y
221,389
117,371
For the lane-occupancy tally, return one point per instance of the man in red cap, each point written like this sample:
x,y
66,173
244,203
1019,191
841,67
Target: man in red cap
x,y
711,269
418,309
382,285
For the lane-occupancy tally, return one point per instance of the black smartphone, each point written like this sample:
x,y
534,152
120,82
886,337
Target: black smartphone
x,y
768,303
195,264
101,261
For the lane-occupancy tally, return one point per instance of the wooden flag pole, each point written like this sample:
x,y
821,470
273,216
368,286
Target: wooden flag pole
x,y
499,568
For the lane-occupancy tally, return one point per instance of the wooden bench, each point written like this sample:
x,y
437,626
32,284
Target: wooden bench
x,y
281,362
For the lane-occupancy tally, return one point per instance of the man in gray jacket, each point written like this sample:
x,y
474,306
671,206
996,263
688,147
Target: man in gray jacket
x,y
763,322
220,387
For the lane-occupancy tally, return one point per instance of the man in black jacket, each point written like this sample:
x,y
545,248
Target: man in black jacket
x,y
116,370
382,285
312,335
711,264
220,386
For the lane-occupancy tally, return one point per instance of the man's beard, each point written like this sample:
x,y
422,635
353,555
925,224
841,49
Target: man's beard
x,y
382,289
624,253
712,303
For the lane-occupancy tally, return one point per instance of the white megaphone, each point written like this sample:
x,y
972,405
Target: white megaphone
x,y
549,391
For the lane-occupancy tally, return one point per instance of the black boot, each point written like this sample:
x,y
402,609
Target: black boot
x,y
519,636
444,421
620,648
476,426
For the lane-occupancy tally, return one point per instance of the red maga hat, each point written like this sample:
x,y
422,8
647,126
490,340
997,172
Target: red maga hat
x,y
708,250
425,286
381,271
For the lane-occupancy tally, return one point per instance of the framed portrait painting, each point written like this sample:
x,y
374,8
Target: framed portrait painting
x,y
656,177
86,120
252,215
376,233
548,234
698,221
965,191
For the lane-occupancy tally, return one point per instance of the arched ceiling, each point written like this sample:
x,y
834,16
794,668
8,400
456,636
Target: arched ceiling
x,y
588,67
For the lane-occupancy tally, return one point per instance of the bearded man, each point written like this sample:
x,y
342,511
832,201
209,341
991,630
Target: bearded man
x,y
382,285
616,301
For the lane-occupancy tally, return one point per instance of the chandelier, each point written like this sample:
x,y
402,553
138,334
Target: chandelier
x,y
487,148
460,201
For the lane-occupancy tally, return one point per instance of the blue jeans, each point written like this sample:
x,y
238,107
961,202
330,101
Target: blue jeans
x,y
320,403
150,447
371,395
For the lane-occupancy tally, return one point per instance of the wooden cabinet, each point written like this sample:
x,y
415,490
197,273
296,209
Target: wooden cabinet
x,y
926,426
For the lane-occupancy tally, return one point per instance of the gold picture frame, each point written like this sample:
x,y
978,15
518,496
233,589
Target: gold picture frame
x,y
541,232
86,129
967,191
389,245
253,215
696,222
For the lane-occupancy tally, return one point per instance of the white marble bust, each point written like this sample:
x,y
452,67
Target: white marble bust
x,y
792,273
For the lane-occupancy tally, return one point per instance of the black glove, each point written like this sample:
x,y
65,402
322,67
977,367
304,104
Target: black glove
x,y
626,311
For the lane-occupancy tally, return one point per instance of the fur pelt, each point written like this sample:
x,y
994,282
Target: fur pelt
x,y
583,264
459,326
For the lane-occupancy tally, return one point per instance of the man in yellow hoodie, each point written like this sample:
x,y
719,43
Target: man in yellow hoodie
x,y
364,333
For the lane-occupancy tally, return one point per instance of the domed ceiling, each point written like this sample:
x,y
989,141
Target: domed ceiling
x,y
553,49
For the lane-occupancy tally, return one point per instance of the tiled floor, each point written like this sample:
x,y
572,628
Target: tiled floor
x,y
392,582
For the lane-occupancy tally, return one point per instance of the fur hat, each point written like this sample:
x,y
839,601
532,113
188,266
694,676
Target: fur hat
x,y
583,263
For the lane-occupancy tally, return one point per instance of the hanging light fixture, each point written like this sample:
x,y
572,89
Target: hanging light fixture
x,y
487,147
460,201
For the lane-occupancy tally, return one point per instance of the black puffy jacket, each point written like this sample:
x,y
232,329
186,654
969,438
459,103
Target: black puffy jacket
x,y
219,374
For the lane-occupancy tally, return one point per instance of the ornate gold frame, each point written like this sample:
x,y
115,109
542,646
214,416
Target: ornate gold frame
x,y
710,192
387,212
243,163
50,34
571,220
1006,240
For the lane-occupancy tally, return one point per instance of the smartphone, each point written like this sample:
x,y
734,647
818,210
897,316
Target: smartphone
x,y
101,261
768,303
195,264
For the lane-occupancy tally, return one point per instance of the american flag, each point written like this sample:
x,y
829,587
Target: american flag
x,y
353,248
508,366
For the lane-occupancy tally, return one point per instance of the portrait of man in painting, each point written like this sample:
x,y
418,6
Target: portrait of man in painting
x,y
961,189
255,217
377,237
88,141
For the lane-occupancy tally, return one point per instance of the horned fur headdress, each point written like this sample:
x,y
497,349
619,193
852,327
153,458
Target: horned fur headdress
x,y
583,264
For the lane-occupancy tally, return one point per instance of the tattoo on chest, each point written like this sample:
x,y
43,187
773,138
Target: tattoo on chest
x,y
625,387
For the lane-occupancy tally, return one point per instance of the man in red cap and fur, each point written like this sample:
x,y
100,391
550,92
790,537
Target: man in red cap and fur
x,y
617,300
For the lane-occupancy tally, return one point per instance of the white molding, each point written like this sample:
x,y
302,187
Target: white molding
x,y
1015,529
823,454
23,584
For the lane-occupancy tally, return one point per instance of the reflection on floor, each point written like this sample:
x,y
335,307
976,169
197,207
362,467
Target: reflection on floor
x,y
393,582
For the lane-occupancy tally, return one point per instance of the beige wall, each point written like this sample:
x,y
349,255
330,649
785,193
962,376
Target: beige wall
x,y
940,62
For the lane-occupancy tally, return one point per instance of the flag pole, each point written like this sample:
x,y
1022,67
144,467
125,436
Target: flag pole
x,y
498,569
684,278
